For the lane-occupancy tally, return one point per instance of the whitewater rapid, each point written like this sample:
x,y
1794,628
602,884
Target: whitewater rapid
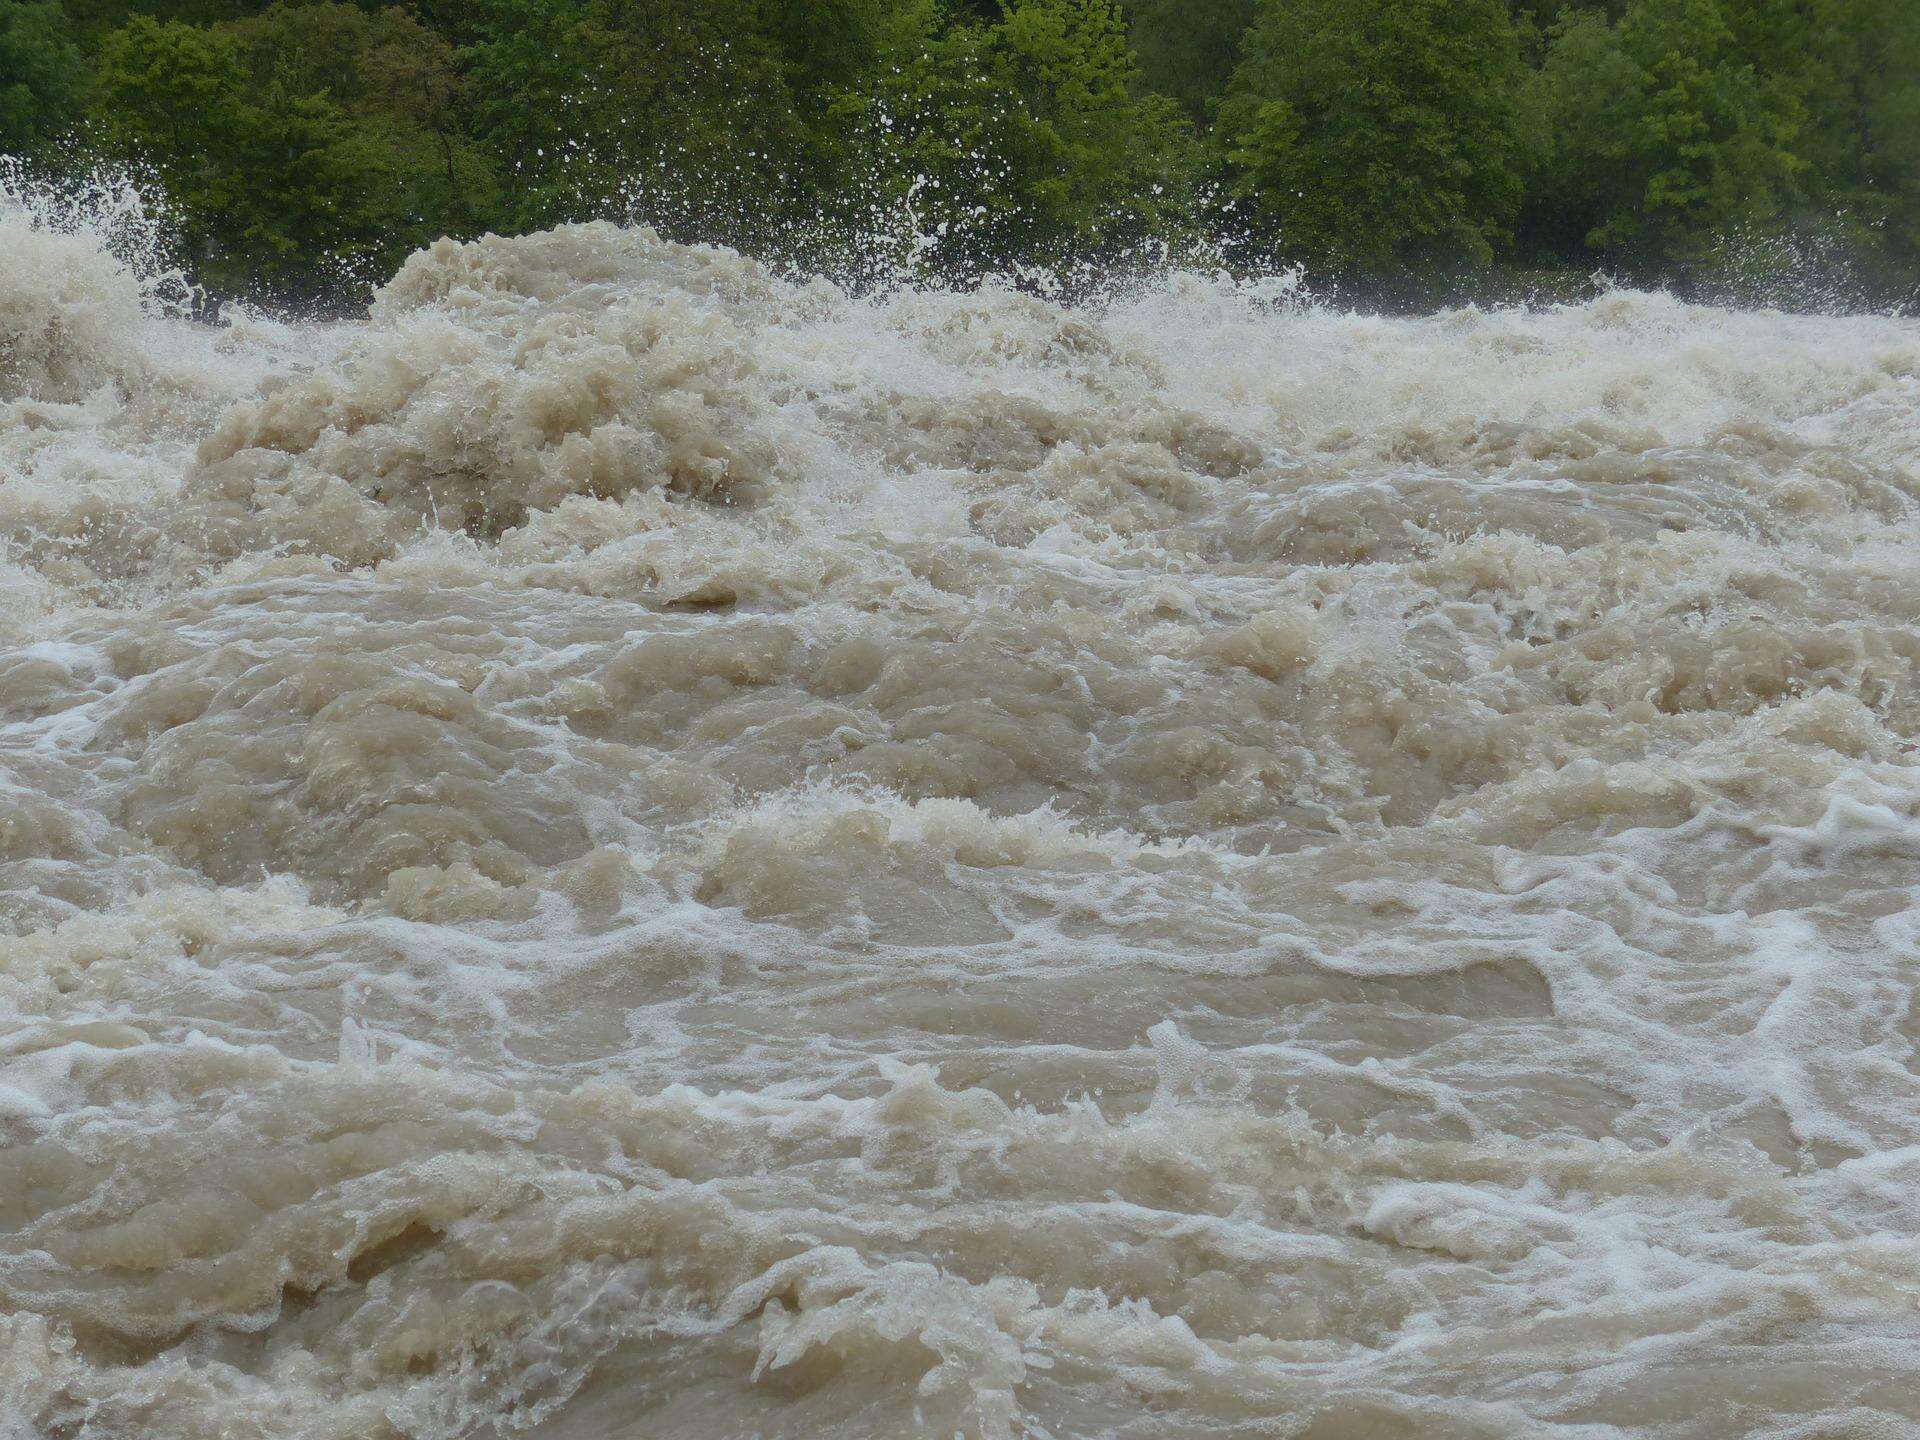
x,y
630,847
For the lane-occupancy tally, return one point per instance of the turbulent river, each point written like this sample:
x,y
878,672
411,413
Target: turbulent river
x,y
628,847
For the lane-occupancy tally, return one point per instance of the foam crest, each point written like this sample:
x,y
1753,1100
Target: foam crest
x,y
632,841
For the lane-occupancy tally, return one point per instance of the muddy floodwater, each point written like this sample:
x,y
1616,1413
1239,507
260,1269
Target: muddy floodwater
x,y
626,848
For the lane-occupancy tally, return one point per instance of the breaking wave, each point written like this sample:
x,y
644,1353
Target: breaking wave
x,y
629,845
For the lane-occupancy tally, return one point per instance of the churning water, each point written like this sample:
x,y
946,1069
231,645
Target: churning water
x,y
631,848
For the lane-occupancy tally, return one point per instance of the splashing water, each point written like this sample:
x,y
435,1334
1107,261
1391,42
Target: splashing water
x,y
633,847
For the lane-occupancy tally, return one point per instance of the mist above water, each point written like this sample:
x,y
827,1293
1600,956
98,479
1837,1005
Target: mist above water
x,y
633,847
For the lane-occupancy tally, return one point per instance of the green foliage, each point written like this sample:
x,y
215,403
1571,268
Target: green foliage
x,y
42,76
95,17
1103,160
831,45
310,142
1025,138
399,86
592,107
1666,135
271,181
1188,48
1371,136
1853,68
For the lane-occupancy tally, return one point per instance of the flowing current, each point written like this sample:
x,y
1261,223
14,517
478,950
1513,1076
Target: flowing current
x,y
628,847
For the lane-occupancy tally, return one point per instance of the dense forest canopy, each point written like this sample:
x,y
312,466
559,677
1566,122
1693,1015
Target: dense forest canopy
x,y
1413,146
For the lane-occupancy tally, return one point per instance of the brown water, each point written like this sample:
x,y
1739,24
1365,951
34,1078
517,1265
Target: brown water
x,y
627,848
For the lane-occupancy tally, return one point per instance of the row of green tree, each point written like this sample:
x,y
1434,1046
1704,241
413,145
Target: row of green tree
x,y
1407,143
